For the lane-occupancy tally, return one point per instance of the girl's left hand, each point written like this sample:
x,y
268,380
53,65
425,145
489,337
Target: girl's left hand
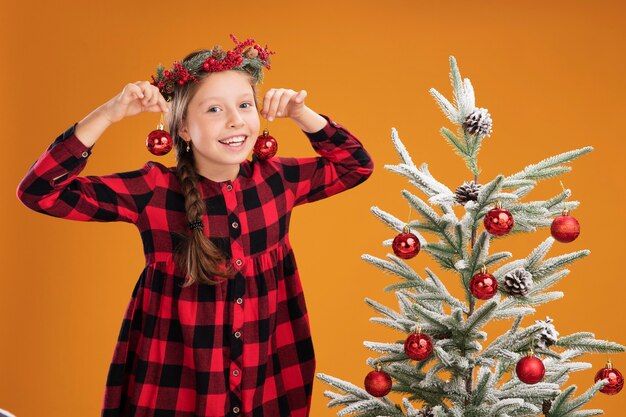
x,y
282,102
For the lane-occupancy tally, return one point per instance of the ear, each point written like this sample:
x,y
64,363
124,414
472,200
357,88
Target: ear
x,y
183,132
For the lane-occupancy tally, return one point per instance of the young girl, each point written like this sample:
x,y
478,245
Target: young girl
x,y
217,324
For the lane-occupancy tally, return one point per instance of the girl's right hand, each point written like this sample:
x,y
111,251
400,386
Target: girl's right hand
x,y
135,98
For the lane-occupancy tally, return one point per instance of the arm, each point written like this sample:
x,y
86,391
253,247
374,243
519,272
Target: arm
x,y
343,163
52,185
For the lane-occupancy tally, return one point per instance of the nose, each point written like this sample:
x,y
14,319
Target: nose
x,y
235,119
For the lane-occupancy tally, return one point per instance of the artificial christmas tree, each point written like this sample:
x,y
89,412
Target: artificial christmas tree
x,y
518,373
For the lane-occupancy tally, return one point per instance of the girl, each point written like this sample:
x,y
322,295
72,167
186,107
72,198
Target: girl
x,y
217,323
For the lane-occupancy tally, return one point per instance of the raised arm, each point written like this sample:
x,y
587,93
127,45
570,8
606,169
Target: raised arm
x,y
343,163
52,185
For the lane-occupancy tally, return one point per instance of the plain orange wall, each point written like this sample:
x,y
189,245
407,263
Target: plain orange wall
x,y
551,74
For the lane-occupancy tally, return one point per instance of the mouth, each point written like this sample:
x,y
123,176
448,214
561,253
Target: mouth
x,y
234,141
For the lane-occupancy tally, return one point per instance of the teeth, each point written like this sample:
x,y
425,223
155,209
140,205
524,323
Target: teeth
x,y
233,140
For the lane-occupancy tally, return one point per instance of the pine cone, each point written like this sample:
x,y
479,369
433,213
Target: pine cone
x,y
251,53
518,282
467,192
218,53
169,87
548,335
478,122
426,412
546,406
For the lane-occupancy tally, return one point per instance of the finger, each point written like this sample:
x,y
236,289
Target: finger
x,y
156,108
163,104
137,87
149,96
266,101
273,106
299,98
154,95
130,93
285,100
160,100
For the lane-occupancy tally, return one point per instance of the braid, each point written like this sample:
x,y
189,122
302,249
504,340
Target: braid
x,y
202,261
198,256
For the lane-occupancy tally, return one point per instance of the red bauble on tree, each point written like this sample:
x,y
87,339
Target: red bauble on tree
x,y
483,285
418,346
615,377
406,245
159,142
378,383
530,369
265,146
565,228
498,221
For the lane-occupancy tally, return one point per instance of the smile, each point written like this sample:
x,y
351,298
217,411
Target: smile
x,y
233,141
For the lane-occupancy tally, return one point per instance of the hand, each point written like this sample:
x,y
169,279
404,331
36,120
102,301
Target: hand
x,y
282,102
135,98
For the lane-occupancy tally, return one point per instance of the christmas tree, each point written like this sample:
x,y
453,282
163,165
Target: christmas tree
x,y
441,367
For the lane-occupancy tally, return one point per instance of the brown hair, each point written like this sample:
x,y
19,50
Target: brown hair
x,y
202,261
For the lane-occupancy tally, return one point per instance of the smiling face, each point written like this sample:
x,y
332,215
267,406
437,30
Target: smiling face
x,y
222,123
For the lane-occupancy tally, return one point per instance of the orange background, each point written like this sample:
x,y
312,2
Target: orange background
x,y
551,74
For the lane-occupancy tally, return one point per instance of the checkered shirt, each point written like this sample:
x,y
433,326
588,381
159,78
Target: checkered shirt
x,y
239,348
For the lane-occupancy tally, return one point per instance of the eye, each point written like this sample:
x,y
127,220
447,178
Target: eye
x,y
213,109
246,105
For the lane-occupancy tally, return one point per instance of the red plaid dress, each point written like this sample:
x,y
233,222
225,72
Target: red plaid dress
x,y
239,348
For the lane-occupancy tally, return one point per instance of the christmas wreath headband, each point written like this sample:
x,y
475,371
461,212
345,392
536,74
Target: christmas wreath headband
x,y
247,55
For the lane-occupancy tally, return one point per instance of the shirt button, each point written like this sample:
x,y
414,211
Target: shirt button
x,y
85,154
235,225
229,187
239,300
236,372
237,335
238,262
235,410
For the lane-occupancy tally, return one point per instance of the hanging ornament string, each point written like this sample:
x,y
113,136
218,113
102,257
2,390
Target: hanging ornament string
x,y
266,146
418,346
159,142
483,285
565,228
614,377
530,369
406,245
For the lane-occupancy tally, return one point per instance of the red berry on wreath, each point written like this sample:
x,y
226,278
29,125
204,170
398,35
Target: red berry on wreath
x,y
265,146
483,285
498,221
378,383
565,228
615,377
418,346
406,245
530,369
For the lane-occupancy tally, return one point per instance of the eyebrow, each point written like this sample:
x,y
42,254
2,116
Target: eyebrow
x,y
245,95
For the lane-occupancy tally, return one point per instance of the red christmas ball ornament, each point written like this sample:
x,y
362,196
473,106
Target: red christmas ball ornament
x,y
378,383
530,370
418,346
615,377
159,142
565,228
406,245
483,285
265,146
498,221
